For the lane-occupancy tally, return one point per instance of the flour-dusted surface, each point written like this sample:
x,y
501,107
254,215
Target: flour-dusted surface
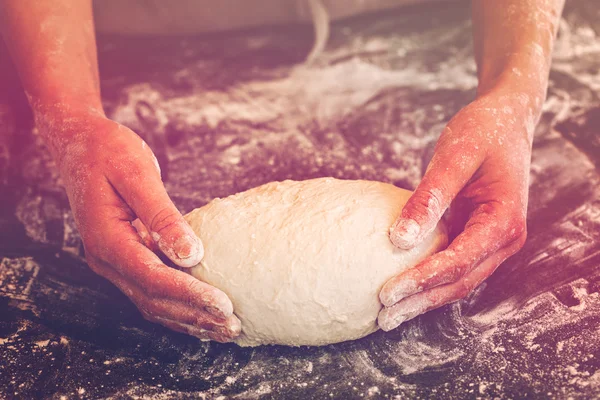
x,y
303,262
229,113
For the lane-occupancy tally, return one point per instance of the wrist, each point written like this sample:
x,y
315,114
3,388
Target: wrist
x,y
520,73
513,108
61,123
64,104
520,88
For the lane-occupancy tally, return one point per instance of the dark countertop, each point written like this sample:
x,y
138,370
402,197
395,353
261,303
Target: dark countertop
x,y
230,112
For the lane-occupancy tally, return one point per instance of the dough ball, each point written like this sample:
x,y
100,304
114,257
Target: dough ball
x,y
303,262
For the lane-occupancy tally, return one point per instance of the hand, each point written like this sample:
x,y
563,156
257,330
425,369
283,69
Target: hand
x,y
481,165
112,178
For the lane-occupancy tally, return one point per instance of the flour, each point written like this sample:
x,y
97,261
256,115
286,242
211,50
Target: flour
x,y
533,326
322,94
324,99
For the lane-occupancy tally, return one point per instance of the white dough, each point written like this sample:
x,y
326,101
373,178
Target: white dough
x,y
303,262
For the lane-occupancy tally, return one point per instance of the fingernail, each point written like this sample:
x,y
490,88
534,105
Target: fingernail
x,y
399,291
185,247
388,322
189,250
405,234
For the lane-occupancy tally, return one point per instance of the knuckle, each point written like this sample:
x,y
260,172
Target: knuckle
x,y
419,273
464,289
420,198
460,269
195,291
517,230
518,238
424,202
194,286
164,220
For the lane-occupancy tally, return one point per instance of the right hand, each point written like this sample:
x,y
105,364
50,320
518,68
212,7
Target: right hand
x,y
112,178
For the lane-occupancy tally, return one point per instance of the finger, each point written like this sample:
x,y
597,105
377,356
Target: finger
x,y
139,183
174,315
391,317
120,247
201,334
188,315
144,234
453,164
488,230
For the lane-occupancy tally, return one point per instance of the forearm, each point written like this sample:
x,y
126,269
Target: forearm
x,y
53,46
513,45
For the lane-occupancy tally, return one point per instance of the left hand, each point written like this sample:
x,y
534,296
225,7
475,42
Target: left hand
x,y
481,166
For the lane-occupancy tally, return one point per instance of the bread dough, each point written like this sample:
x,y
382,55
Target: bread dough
x,y
303,262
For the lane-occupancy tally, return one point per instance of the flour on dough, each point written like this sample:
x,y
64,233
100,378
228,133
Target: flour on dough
x,y
303,262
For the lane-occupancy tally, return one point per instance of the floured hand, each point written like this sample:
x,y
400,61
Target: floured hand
x,y
112,178
481,166
481,163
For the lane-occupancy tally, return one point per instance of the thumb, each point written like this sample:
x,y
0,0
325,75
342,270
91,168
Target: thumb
x,y
142,189
449,170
